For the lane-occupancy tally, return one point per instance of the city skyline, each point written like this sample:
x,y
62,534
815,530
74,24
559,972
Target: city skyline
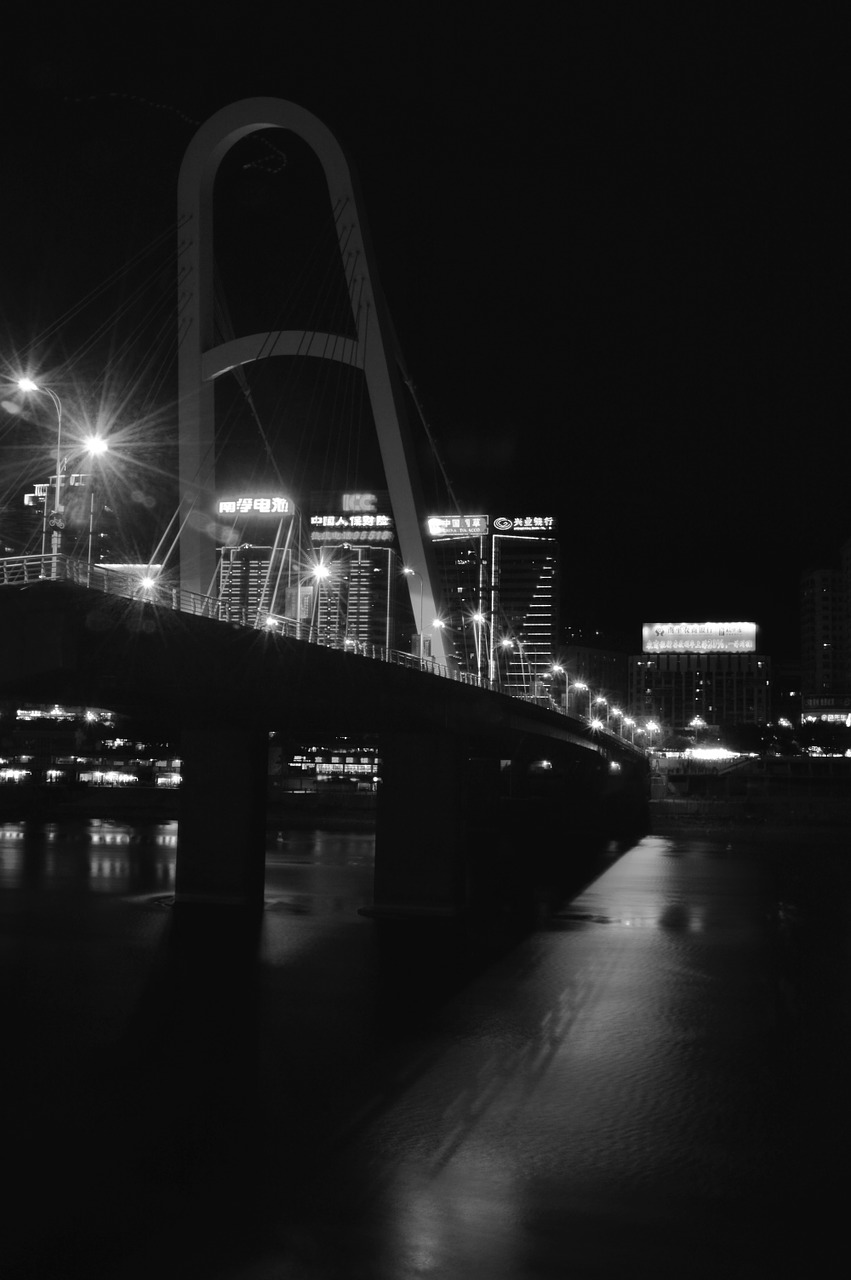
x,y
615,281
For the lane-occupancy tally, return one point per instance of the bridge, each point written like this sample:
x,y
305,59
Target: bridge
x,y
483,796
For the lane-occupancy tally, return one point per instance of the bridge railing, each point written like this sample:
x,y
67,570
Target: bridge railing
x,y
135,584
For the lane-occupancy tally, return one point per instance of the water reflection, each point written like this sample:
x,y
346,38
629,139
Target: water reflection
x,y
652,1077
96,856
307,873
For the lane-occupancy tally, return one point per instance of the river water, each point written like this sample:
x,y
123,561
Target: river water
x,y
653,1082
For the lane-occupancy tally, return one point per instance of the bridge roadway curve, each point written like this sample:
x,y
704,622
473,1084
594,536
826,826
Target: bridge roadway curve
x,y
457,760
65,643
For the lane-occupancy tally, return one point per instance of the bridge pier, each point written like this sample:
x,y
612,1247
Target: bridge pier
x,y
222,824
419,863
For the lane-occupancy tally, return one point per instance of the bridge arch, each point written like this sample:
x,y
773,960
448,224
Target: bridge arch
x,y
202,360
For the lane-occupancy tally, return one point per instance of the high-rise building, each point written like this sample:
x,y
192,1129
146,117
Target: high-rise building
x,y
462,552
524,596
258,563
500,583
706,670
826,640
355,573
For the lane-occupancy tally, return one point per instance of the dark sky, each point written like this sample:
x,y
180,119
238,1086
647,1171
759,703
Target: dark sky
x,y
615,255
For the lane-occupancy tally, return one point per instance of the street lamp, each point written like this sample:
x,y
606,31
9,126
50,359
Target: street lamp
x,y
478,620
320,572
27,384
583,688
412,573
96,446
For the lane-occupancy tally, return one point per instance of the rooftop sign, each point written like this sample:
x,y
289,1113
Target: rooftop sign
x,y
457,526
698,637
541,525
255,505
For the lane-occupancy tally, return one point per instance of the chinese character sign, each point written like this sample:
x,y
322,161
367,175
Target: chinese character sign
x,y
255,505
699,637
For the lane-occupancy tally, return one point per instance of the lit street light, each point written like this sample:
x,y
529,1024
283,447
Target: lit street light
x,y
583,688
437,624
56,521
558,670
96,446
478,620
412,573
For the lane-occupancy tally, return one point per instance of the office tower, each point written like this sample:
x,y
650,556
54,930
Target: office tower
x,y
500,583
706,670
524,608
258,563
354,574
826,640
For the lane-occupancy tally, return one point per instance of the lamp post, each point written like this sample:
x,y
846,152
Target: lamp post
x,y
506,644
56,522
320,573
582,687
95,447
438,625
479,621
412,573
559,670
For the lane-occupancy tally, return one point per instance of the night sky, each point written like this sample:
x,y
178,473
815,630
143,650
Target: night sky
x,y
615,256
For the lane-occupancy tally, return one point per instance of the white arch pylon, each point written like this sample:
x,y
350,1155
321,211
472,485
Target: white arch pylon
x,y
201,361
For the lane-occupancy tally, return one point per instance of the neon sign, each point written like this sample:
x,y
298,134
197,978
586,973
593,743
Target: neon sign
x,y
698,637
255,505
457,526
525,524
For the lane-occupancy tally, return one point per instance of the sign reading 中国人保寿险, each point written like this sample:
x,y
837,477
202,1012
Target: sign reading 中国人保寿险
x,y
698,637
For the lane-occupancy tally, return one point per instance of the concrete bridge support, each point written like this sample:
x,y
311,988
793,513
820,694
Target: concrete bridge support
x,y
419,825
222,818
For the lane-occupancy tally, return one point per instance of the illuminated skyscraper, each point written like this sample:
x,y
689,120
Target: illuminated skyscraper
x,y
524,601
462,552
826,640
500,581
258,565
356,571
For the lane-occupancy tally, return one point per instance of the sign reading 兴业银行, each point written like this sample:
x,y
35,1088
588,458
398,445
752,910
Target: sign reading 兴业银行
x,y
525,524
698,637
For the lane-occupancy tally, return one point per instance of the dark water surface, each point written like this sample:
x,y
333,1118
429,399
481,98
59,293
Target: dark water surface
x,y
652,1083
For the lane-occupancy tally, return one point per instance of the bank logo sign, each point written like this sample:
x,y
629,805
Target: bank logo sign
x,y
525,524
